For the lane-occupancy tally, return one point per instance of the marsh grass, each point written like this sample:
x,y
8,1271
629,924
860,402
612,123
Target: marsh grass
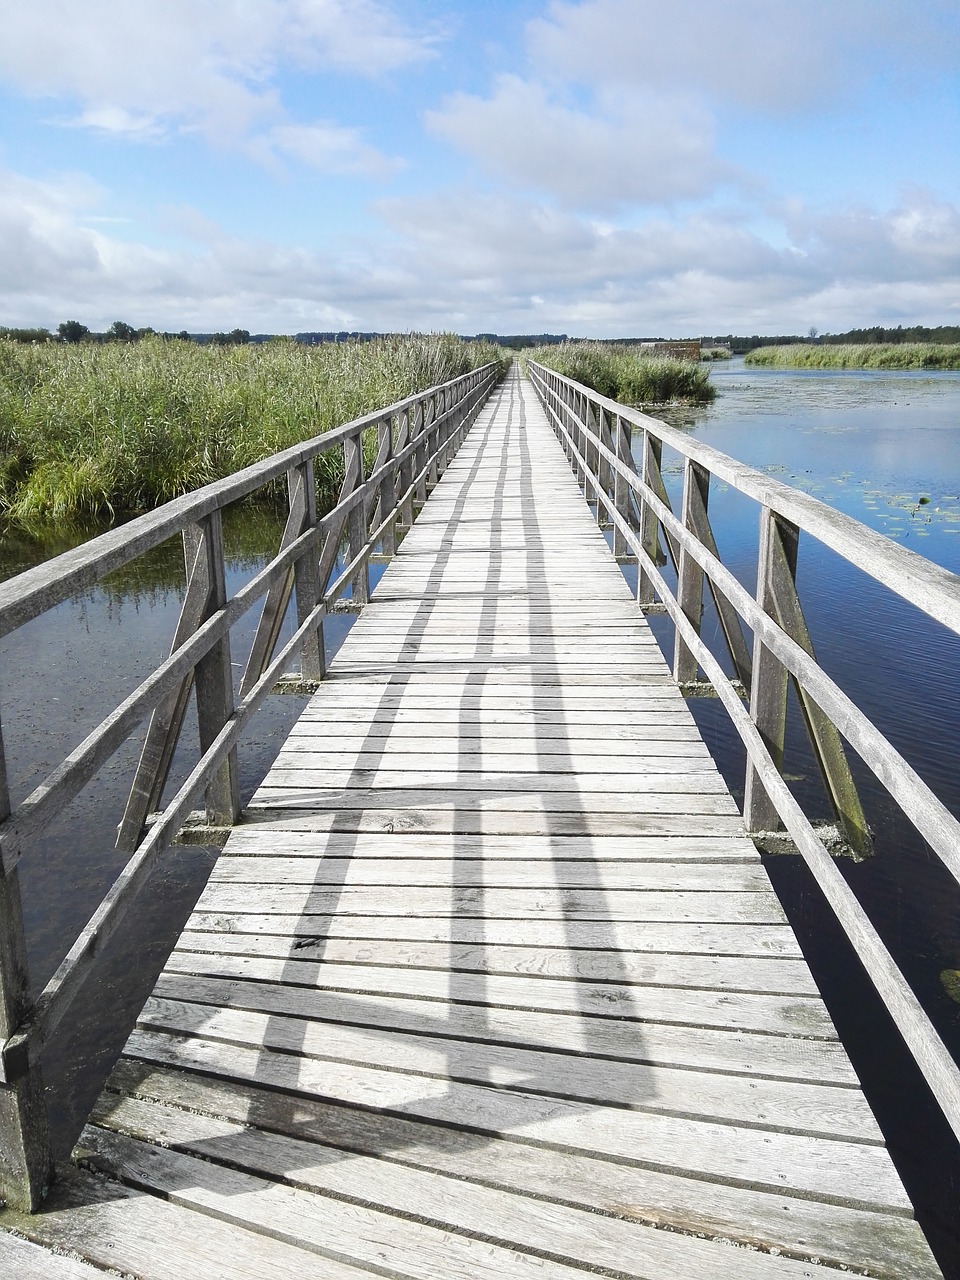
x,y
627,375
93,433
875,355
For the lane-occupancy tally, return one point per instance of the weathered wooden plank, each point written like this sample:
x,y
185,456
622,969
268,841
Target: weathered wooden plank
x,y
885,1245
789,1015
130,1232
518,904
793,1107
28,1261
786,976
671,1044
488,872
494,817
447,757
624,935
260,839
510,794
757,1158
345,1228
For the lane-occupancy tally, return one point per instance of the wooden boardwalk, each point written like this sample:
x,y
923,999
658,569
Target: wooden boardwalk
x,y
492,983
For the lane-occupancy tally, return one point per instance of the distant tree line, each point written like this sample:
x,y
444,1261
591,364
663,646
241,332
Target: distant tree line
x,y
120,331
875,334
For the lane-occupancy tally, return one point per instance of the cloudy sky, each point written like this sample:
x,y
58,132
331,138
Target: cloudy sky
x,y
594,167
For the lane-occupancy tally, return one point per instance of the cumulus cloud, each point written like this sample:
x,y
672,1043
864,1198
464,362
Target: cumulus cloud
x,y
754,54
206,65
470,261
631,148
327,147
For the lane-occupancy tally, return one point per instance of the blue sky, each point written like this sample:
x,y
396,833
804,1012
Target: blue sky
x,y
593,167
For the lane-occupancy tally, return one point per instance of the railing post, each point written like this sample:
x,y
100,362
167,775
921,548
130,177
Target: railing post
x,y
26,1159
777,595
388,486
649,524
214,676
621,490
425,414
302,494
779,541
356,524
696,489
430,444
605,472
404,471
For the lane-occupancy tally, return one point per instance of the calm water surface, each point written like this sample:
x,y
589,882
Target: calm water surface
x,y
872,444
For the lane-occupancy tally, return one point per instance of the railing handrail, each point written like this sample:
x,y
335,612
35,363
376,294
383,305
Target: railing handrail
x,y
777,652
416,437
928,586
39,589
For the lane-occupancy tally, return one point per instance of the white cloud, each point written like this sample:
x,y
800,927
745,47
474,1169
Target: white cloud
x,y
632,147
472,262
329,147
755,54
207,65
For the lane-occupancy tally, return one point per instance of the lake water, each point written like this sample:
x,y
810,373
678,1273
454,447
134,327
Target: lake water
x,y
872,444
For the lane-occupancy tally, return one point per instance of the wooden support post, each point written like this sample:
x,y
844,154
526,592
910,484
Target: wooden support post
x,y
356,524
768,697
621,490
425,414
388,487
214,680
432,440
166,723
405,474
777,594
302,495
604,470
696,489
26,1158
649,524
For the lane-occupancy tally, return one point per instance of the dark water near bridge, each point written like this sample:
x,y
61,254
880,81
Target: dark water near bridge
x,y
872,444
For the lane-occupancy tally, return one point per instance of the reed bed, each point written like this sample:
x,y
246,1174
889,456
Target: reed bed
x,y
94,433
623,373
848,355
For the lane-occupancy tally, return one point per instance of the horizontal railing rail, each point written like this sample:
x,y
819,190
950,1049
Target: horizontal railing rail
x,y
410,444
602,438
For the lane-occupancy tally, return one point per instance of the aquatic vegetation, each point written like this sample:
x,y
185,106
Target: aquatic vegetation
x,y
876,355
627,374
90,433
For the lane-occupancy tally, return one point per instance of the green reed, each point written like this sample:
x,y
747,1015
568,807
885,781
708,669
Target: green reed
x,y
848,355
627,374
91,433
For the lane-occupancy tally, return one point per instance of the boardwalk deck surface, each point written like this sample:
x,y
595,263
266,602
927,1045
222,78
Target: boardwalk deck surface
x,y
492,984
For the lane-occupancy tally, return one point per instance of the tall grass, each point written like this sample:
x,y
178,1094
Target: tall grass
x,y
628,375
91,433
874,355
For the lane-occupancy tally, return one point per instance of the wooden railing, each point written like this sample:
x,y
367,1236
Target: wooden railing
x,y
602,439
411,443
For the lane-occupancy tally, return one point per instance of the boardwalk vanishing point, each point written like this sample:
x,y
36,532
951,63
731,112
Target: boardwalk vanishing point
x,y
490,982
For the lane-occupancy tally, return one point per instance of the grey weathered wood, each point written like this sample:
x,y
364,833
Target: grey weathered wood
x,y
26,1166
696,489
768,696
166,723
213,681
839,1235
502,934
